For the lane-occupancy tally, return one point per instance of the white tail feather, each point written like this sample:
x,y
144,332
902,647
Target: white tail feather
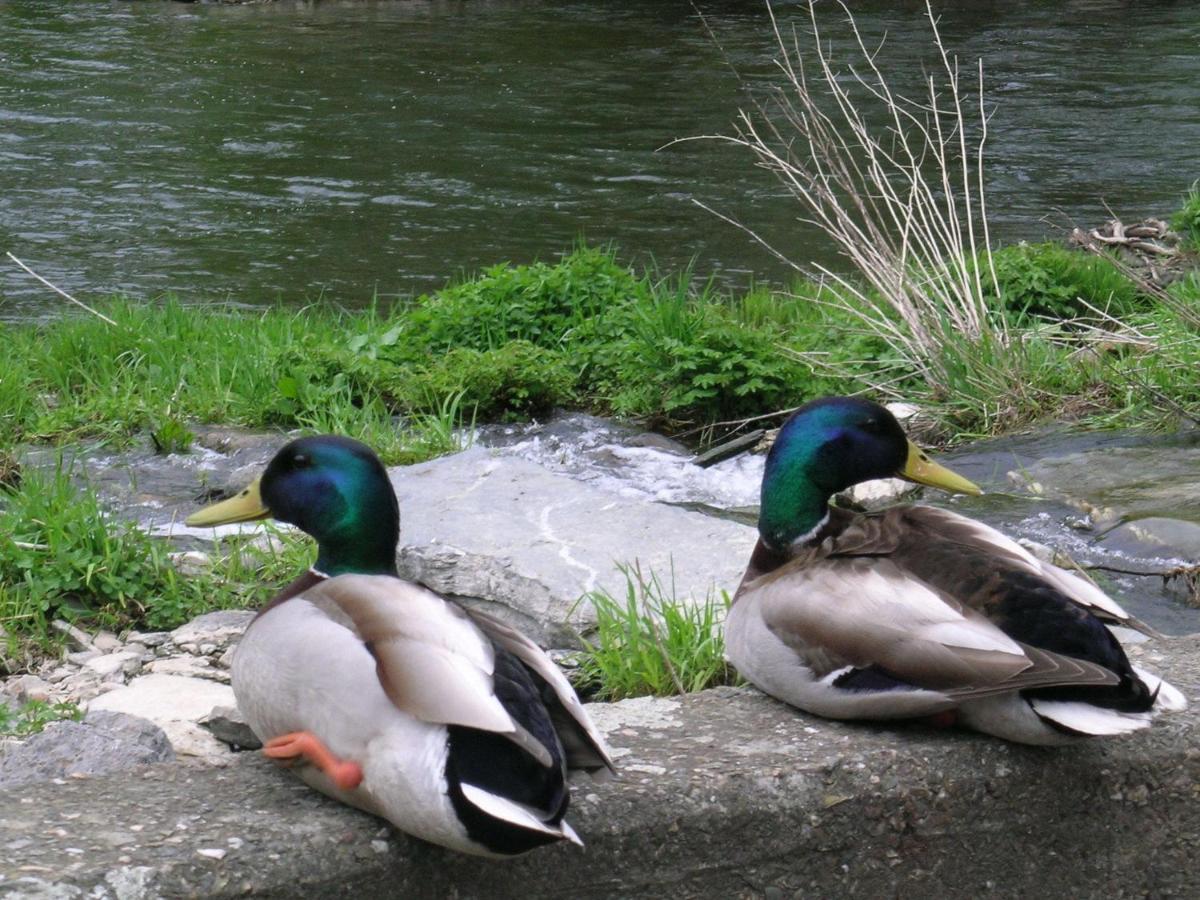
x,y
516,813
1169,698
569,832
1085,718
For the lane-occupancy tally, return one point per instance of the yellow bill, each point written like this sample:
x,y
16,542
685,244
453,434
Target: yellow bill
x,y
244,507
923,470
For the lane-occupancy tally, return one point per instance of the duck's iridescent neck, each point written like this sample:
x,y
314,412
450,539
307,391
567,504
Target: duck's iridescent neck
x,y
792,508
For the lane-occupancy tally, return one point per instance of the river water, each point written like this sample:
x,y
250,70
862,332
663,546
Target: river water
x,y
350,149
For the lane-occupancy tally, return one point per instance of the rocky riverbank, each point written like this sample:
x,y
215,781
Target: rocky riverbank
x,y
585,496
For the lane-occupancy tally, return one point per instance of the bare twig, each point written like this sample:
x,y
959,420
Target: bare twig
x,y
60,291
903,201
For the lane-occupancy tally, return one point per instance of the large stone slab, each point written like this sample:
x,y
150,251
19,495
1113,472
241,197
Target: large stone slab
x,y
527,543
723,794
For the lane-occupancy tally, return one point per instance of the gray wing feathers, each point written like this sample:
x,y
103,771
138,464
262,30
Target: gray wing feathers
x,y
883,617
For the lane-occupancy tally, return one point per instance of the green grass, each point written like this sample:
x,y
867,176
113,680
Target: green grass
x,y
514,342
649,643
34,716
63,556
1186,219
585,332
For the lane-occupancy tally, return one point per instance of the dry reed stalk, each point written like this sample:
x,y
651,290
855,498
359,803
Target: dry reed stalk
x,y
904,201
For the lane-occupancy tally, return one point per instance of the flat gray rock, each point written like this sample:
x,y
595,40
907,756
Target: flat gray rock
x,y
526,543
101,743
722,794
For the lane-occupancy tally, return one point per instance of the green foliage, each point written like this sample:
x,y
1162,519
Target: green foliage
x,y
172,436
516,341
1186,219
245,571
62,556
1161,386
518,380
1046,281
691,363
651,643
34,716
538,303
443,427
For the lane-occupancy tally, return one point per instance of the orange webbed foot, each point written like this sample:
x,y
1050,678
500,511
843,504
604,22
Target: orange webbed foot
x,y
304,745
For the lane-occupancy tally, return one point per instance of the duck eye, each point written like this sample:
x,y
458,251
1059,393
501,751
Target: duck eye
x,y
301,461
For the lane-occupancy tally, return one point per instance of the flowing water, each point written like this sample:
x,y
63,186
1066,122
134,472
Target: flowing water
x,y
1075,472
345,149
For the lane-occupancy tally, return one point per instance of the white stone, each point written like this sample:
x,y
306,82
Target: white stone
x,y
881,491
27,688
171,701
188,739
106,641
76,637
191,562
150,638
188,666
215,630
123,663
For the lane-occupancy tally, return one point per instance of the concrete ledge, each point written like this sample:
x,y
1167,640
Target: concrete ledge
x,y
724,794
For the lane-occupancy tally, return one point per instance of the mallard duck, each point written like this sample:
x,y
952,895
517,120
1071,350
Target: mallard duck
x,y
915,612
443,720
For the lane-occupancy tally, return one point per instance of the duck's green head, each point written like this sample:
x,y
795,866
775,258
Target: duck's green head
x,y
827,446
333,488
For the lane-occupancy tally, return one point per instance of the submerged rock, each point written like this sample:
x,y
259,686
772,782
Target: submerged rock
x,y
1114,483
1156,537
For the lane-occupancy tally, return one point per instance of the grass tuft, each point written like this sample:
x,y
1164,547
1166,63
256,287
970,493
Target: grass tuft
x,y
652,644
1186,219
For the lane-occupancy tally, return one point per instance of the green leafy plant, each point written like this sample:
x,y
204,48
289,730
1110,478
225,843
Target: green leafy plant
x,y
1046,281
172,436
652,643
680,360
516,381
1186,219
443,427
245,572
62,555
34,716
538,303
